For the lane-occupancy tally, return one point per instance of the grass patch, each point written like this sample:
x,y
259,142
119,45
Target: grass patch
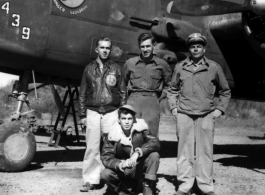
x,y
244,114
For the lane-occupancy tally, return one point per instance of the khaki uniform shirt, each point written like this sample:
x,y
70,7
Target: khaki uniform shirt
x,y
150,77
192,89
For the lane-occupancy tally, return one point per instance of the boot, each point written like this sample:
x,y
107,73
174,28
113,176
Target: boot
x,y
148,187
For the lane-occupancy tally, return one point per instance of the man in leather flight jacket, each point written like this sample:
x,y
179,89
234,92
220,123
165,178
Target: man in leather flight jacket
x,y
101,93
130,152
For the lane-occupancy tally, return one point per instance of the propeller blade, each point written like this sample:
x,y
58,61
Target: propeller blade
x,y
207,7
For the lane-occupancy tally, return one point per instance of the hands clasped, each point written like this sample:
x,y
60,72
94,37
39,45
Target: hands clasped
x,y
130,162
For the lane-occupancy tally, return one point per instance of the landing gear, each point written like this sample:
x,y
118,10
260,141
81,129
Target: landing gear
x,y
17,142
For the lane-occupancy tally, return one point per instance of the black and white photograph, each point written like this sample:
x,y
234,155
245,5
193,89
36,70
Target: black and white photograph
x,y
132,97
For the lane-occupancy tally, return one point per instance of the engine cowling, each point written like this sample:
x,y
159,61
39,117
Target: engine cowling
x,y
258,7
254,26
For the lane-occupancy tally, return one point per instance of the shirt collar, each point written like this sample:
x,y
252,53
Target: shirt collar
x,y
98,62
154,59
203,61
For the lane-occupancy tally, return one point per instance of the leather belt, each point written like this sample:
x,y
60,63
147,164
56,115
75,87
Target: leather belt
x,y
143,93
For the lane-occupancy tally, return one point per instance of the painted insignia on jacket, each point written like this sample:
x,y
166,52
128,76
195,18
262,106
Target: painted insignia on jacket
x,y
111,80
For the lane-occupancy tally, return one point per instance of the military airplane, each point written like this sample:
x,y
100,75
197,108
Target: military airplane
x,y
51,41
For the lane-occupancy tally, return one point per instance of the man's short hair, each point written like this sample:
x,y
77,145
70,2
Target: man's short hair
x,y
144,37
104,39
126,111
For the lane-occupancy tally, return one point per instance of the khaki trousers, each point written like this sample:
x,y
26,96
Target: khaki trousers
x,y
195,152
97,125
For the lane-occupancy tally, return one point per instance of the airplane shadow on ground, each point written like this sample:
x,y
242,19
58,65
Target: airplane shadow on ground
x,y
250,156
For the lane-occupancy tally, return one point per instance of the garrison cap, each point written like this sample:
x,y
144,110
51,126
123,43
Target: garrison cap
x,y
128,107
196,37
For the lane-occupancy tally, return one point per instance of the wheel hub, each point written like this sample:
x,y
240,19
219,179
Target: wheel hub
x,y
16,148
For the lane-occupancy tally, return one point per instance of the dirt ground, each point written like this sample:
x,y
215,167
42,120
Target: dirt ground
x,y
239,166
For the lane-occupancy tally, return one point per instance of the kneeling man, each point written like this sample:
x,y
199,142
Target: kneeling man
x,y
130,152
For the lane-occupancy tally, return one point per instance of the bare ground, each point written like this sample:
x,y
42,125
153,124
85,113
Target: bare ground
x,y
239,166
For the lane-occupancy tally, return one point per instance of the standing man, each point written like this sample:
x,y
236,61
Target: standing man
x,y
101,93
145,77
191,99
130,152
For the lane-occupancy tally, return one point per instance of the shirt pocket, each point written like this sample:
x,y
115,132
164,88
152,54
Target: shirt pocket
x,y
135,79
135,75
211,89
156,75
185,84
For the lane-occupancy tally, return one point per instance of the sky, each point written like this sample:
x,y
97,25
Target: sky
x,y
6,78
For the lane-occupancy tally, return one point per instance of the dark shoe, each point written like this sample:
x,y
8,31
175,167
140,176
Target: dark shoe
x,y
148,187
87,187
134,187
210,193
110,191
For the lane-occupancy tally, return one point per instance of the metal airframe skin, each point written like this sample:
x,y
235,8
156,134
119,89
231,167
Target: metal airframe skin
x,y
56,39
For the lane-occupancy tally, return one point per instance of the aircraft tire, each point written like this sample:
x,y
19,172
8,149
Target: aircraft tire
x,y
17,147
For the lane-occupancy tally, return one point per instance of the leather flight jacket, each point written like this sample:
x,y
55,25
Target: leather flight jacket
x,y
114,151
101,92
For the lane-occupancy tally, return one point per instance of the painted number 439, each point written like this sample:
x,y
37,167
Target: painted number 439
x,y
16,21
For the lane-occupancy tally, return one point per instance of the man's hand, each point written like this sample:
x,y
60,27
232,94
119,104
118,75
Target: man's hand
x,y
175,113
133,159
126,163
217,113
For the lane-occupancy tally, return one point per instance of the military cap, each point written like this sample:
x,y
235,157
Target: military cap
x,y
196,37
128,107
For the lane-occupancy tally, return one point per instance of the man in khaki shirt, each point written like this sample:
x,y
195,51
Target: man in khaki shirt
x,y
145,77
191,100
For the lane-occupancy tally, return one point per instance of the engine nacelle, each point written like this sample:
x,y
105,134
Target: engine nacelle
x,y
254,26
258,7
173,31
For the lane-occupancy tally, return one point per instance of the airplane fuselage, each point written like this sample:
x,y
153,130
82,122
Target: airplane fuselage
x,y
56,38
